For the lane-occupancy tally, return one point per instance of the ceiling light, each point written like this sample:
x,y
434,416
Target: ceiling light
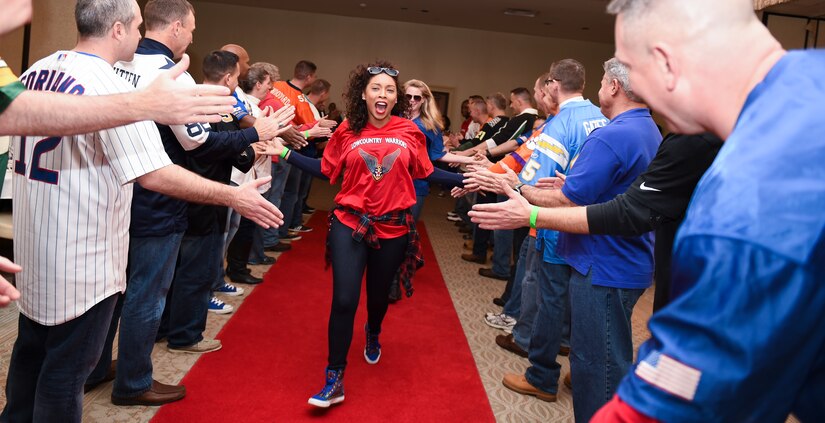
x,y
524,13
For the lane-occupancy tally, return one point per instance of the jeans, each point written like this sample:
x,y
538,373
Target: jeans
x,y
289,199
184,319
512,307
237,252
418,206
533,263
270,237
601,350
551,329
50,364
233,222
518,240
151,268
502,251
350,259
481,237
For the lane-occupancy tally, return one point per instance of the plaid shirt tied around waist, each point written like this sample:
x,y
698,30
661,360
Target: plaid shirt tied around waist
x,y
364,232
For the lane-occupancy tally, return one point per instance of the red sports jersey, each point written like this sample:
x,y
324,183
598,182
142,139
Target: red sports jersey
x,y
378,167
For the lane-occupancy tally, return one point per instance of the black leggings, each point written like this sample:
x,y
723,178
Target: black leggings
x,y
349,259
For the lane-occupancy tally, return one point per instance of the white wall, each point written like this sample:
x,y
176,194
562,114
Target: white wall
x,y
460,61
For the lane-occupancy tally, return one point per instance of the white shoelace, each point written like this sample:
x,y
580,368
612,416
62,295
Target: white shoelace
x,y
217,302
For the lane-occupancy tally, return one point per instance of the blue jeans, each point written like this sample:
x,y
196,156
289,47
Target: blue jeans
x,y
270,237
551,329
529,296
288,200
188,302
50,364
502,251
512,307
303,193
418,206
601,350
151,267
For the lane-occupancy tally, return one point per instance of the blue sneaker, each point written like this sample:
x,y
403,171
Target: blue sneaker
x,y
333,392
219,307
229,289
372,351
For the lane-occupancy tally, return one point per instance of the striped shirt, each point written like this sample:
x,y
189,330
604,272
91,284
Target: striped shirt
x,y
72,197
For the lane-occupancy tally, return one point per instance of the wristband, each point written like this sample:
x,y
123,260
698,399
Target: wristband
x,y
534,214
284,152
306,135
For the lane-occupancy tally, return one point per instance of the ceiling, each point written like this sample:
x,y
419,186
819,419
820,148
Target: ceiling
x,y
579,20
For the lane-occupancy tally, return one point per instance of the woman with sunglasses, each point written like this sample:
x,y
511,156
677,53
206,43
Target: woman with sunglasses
x,y
425,114
378,154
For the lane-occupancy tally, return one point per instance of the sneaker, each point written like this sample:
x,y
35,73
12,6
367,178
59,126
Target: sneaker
x,y
452,214
308,210
372,351
205,346
454,218
333,392
291,236
228,289
499,321
219,307
301,228
266,261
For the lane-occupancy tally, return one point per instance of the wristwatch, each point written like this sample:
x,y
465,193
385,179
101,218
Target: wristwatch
x,y
517,188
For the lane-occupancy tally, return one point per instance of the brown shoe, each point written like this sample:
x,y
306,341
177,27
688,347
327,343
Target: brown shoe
x,y
474,258
468,245
568,382
565,351
158,394
519,383
488,273
507,342
110,376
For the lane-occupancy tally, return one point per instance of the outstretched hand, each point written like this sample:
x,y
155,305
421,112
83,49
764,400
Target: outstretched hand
x,y
490,181
511,214
169,102
250,204
8,292
550,182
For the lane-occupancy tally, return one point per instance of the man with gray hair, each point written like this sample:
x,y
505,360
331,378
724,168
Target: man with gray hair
x,y
609,273
72,198
749,259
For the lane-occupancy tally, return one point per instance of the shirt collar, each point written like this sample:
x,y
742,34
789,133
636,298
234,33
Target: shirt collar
x,y
570,100
148,45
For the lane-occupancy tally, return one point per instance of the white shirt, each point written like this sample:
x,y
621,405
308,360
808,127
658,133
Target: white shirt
x,y
263,164
73,195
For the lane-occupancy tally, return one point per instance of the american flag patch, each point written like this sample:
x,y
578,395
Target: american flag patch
x,y
669,375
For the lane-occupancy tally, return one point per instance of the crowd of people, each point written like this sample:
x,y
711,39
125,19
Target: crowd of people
x,y
141,218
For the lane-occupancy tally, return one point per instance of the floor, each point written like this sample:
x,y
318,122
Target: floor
x,y
471,295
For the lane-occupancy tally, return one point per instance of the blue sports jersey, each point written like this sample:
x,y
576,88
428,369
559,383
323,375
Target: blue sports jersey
x,y
435,149
552,151
744,339
608,162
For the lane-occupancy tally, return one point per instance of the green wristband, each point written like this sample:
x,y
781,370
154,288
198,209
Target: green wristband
x,y
534,214
284,152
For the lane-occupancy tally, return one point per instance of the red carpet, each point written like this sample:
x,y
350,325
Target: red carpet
x,y
275,348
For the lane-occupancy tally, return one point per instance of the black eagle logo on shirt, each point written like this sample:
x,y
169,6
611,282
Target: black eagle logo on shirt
x,y
379,170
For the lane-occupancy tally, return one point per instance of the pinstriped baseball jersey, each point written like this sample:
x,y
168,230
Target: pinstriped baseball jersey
x,y
72,197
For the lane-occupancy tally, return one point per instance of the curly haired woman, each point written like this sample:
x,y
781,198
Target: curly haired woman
x,y
378,154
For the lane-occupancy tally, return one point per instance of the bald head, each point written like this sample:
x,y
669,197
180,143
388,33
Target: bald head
x,y
243,57
678,53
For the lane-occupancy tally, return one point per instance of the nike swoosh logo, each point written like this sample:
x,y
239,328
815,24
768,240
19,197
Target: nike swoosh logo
x,y
647,188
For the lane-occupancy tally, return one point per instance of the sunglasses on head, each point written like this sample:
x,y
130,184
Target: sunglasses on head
x,y
375,70
415,97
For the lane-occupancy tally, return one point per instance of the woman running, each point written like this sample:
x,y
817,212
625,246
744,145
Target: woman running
x,y
378,154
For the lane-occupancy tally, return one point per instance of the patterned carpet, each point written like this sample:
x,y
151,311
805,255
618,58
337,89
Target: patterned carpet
x,y
471,295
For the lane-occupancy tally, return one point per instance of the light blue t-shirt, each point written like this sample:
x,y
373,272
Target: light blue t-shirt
x,y
553,150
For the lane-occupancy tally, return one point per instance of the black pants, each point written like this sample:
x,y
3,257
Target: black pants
x,y
349,260
481,237
237,253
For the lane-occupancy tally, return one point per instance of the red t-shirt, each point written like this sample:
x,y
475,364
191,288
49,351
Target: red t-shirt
x,y
378,167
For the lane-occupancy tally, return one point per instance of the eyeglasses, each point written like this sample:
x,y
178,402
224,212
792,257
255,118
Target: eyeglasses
x,y
415,98
548,81
375,70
